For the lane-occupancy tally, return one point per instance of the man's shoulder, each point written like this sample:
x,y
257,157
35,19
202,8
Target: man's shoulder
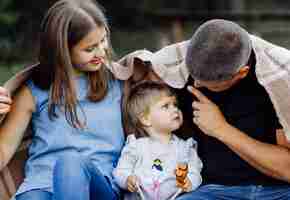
x,y
266,49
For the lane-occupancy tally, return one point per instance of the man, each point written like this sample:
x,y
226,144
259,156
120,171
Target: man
x,y
240,140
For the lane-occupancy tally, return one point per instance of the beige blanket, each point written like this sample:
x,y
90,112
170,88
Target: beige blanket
x,y
272,70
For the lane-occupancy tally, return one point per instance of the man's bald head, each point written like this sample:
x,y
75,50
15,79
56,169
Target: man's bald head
x,y
217,50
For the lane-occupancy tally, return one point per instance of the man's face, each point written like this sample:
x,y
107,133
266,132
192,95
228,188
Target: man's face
x,y
219,86
215,86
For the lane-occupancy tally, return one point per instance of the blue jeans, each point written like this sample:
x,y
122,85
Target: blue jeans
x,y
74,178
221,192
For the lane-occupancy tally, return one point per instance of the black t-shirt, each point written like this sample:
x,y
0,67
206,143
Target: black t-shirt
x,y
247,107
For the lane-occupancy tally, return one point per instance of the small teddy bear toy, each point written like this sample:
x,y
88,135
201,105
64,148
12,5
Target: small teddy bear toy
x,y
181,173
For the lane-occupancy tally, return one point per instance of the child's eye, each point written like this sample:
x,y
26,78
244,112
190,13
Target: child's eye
x,y
175,104
166,106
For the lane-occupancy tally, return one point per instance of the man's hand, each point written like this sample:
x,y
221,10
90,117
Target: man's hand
x,y
5,101
206,115
132,182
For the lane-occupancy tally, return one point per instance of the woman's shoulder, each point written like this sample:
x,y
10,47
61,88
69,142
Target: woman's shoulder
x,y
33,87
39,95
23,94
116,83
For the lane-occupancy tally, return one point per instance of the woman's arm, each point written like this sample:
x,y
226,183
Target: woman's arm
x,y
15,124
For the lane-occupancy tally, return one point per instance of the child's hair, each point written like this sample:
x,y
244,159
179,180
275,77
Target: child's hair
x,y
66,23
141,97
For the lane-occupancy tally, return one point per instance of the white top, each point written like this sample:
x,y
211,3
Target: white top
x,y
155,163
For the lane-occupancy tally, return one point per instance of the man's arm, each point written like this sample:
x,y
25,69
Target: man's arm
x,y
273,160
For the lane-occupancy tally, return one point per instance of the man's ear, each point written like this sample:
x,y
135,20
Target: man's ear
x,y
243,72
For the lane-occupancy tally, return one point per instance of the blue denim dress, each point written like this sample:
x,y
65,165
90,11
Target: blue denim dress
x,y
100,141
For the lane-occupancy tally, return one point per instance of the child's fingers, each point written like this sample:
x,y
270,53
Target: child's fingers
x,y
187,186
132,183
132,187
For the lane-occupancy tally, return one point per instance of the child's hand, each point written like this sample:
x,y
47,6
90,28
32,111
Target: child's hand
x,y
132,182
187,186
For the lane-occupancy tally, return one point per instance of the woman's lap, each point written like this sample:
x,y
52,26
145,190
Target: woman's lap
x,y
74,178
76,173
34,195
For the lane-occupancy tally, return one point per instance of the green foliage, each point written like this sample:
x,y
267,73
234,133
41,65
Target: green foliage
x,y
7,17
7,71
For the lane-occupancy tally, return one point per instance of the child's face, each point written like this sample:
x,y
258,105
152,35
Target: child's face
x,y
164,115
90,53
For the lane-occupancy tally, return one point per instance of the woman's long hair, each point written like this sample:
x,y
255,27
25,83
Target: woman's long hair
x,y
65,24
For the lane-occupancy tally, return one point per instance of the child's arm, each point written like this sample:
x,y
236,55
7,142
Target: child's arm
x,y
132,182
13,127
126,164
194,166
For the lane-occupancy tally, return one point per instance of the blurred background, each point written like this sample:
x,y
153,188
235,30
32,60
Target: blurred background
x,y
138,24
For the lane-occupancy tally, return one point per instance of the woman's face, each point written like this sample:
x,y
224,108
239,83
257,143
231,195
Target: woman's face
x,y
90,52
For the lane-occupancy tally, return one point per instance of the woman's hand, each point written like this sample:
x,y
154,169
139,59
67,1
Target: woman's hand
x,y
5,101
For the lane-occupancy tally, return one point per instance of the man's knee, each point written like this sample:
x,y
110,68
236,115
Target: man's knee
x,y
196,195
